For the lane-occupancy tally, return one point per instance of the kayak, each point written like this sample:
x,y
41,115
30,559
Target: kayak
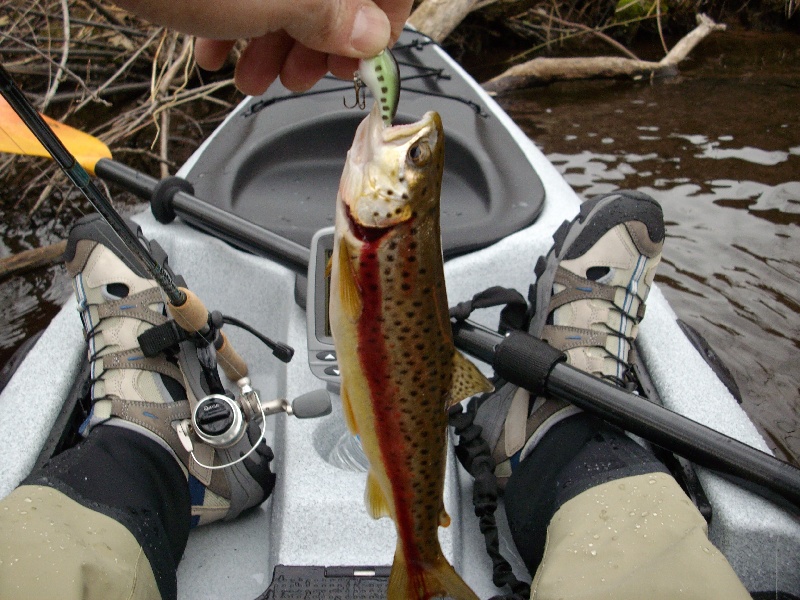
x,y
263,188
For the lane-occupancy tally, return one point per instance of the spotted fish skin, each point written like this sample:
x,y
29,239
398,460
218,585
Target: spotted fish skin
x,y
389,317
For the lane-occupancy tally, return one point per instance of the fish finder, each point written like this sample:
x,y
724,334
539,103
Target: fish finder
x,y
321,353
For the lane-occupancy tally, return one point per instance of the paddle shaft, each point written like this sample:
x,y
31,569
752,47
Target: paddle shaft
x,y
177,200
702,445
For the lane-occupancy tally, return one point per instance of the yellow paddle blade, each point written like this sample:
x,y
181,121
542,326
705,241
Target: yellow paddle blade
x,y
16,138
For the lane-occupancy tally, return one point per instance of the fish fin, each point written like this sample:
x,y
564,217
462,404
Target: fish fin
x,y
409,582
467,380
377,506
444,518
348,288
347,408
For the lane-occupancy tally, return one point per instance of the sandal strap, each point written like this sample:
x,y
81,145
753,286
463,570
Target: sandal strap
x,y
578,288
565,338
157,417
134,359
135,306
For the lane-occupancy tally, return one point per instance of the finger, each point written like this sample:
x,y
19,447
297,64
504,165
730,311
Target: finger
x,y
261,63
355,28
302,68
397,11
211,54
342,66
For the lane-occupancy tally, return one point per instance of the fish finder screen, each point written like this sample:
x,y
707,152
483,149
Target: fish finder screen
x,y
327,324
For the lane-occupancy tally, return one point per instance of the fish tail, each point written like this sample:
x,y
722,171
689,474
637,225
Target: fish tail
x,y
418,582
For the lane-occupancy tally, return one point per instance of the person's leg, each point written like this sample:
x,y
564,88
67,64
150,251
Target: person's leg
x,y
110,517
593,513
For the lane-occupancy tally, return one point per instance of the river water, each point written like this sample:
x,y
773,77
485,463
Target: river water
x,y
718,146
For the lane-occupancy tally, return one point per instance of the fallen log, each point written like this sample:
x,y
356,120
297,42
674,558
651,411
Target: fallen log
x,y
541,71
32,259
438,18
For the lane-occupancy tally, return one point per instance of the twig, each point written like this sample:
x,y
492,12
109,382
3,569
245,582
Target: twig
x,y
609,40
64,56
31,259
660,28
68,71
123,68
545,70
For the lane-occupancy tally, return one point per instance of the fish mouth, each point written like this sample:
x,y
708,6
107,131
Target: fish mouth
x,y
375,188
365,233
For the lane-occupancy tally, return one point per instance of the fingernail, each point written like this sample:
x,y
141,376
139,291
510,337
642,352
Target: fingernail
x,y
370,30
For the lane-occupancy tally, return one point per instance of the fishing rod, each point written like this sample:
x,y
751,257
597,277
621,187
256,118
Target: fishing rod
x,y
184,306
78,175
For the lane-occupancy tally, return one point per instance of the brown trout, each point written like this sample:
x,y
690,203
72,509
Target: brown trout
x,y
389,316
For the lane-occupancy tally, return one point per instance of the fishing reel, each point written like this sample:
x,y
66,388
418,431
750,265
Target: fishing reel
x,y
222,422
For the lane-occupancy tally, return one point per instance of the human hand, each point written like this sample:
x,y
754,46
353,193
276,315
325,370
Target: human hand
x,y
298,40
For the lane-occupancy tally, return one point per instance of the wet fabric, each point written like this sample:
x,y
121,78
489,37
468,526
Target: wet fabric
x,y
632,538
596,516
120,477
54,547
576,454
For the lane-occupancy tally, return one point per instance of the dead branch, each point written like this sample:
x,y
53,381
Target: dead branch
x,y
438,18
540,71
31,259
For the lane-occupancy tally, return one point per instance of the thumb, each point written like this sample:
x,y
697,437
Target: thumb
x,y
354,28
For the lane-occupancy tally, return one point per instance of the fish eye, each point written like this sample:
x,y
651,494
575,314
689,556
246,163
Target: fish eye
x,y
420,153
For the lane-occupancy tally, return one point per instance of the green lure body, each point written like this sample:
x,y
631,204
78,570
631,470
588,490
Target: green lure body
x,y
382,76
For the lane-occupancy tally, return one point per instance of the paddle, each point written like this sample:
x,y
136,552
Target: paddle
x,y
17,138
673,432
528,362
169,198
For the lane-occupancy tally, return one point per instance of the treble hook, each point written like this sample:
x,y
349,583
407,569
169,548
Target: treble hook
x,y
361,100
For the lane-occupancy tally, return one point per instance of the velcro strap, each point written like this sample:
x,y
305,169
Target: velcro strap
x,y
157,339
134,359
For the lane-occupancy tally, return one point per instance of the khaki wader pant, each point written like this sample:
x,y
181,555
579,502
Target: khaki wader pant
x,y
633,538
52,548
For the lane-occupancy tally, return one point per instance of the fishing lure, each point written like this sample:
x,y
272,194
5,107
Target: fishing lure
x,y
381,75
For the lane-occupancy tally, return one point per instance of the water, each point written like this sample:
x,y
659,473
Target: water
x,y
719,147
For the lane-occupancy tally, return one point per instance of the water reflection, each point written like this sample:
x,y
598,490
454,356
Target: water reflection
x,y
723,158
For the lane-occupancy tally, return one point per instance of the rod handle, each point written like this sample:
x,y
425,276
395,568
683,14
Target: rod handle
x,y
232,364
192,316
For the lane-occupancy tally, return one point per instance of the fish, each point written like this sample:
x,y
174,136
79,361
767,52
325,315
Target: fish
x,y
400,371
